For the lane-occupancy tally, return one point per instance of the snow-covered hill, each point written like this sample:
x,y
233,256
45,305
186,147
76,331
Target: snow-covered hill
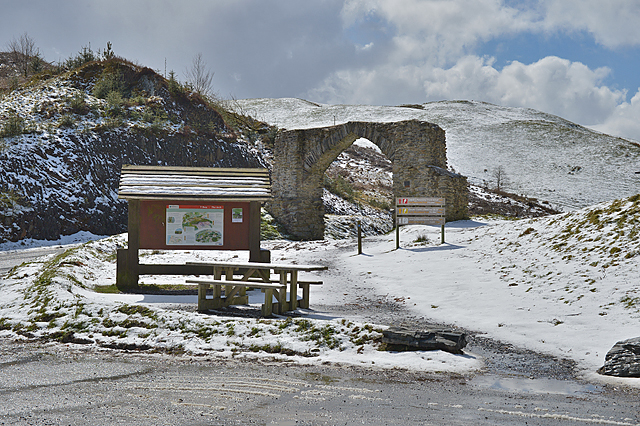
x,y
544,156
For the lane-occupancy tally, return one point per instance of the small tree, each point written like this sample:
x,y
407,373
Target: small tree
x,y
500,178
198,77
23,50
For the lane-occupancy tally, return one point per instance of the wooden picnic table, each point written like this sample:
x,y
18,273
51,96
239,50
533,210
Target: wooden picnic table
x,y
255,275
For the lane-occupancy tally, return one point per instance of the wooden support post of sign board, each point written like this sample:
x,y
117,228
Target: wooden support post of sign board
x,y
128,262
254,232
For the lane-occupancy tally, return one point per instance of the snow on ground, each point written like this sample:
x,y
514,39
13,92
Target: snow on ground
x,y
565,285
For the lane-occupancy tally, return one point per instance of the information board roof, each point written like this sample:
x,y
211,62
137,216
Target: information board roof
x,y
194,183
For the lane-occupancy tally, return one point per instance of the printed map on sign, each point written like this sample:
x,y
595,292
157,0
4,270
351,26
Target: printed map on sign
x,y
195,225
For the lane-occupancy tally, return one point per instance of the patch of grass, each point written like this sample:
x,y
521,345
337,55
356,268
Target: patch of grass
x,y
286,323
137,309
324,336
303,325
340,187
115,333
630,302
231,330
47,317
379,204
127,323
279,349
527,232
154,288
203,332
106,289
4,324
421,239
66,122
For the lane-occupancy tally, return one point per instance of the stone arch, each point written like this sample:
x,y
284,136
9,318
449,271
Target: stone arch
x,y
416,149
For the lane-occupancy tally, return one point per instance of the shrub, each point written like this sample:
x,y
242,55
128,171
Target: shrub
x,y
175,88
13,126
114,104
84,56
78,105
66,121
340,187
109,82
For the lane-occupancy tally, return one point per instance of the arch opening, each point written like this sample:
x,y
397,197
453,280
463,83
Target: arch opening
x,y
358,186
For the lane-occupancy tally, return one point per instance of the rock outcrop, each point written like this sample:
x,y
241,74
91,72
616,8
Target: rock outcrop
x,y
623,360
405,339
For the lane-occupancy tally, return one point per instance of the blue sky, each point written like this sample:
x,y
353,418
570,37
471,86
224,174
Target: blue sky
x,y
574,58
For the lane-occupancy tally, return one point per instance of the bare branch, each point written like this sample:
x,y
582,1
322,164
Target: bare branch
x,y
23,50
198,77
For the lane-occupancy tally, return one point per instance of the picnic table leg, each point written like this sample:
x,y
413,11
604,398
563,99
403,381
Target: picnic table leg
x,y
217,275
304,303
267,307
293,292
229,277
202,296
282,293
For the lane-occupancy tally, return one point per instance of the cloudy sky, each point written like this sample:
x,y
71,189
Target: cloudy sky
x,y
578,59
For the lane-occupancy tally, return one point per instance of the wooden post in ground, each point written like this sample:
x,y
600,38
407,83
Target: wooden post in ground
x,y
127,272
254,232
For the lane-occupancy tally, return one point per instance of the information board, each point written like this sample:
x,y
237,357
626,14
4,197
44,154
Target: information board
x,y
419,211
190,225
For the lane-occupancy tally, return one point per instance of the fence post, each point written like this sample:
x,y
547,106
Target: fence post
x,y
359,238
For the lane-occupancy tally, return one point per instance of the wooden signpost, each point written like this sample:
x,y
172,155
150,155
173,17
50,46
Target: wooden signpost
x,y
419,211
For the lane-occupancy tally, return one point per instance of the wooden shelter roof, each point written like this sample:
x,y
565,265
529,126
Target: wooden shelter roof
x,y
194,183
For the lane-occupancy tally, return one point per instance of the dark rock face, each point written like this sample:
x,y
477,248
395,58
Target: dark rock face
x,y
405,339
66,185
623,360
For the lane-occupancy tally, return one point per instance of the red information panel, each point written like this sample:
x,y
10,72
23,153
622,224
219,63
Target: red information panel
x,y
193,225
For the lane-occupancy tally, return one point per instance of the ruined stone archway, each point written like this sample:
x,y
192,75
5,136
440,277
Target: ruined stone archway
x,y
416,149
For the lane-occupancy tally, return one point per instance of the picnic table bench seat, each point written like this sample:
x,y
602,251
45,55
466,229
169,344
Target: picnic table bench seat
x,y
255,275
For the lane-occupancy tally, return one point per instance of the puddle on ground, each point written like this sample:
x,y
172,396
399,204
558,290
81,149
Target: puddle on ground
x,y
526,385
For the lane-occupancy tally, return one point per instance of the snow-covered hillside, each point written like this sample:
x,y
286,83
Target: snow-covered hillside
x,y
544,156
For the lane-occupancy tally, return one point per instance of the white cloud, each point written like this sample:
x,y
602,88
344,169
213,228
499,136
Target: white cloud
x,y
554,85
613,23
624,120
438,31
